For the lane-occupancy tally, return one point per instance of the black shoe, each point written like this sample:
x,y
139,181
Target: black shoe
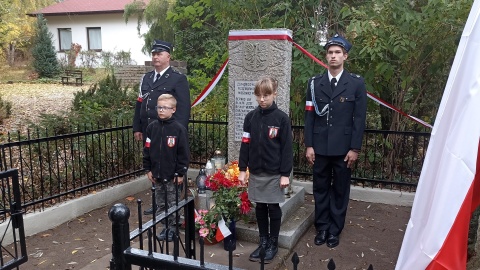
x,y
321,238
149,211
271,250
255,256
161,235
333,241
170,235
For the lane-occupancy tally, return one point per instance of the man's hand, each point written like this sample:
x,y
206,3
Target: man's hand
x,y
179,180
150,177
284,181
350,158
138,136
241,177
310,154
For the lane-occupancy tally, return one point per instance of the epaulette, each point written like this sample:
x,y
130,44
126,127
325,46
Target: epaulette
x,y
176,71
318,76
356,76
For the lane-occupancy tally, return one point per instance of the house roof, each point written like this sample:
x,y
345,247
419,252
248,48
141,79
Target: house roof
x,y
83,7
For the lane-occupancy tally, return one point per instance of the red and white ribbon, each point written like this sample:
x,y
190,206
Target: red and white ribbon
x,y
284,35
210,85
281,34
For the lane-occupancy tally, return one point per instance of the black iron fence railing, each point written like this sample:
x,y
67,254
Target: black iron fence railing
x,y
56,167
11,215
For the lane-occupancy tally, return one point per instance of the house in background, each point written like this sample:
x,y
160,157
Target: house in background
x,y
97,25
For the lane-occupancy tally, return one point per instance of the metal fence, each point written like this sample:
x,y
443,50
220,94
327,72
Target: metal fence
x,y
57,167
11,214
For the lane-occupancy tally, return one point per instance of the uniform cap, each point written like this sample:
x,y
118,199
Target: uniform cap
x,y
161,46
340,41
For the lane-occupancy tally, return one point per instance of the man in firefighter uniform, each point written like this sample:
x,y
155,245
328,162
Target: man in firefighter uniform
x,y
162,80
335,114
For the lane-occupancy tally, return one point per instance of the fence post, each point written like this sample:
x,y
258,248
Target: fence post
x,y
295,261
119,215
331,265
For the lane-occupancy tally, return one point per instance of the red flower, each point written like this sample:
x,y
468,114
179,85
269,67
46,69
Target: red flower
x,y
246,204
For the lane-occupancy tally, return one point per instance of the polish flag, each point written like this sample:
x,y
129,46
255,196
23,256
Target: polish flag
x,y
449,186
222,230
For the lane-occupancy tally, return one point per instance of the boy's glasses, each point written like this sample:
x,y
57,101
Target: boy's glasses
x,y
162,108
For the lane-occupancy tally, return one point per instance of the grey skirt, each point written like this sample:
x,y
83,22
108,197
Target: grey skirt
x,y
265,188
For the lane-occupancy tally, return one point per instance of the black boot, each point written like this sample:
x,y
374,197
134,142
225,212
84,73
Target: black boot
x,y
255,256
272,249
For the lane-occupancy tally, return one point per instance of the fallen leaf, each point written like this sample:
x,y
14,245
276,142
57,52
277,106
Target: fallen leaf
x,y
72,263
55,242
369,206
74,251
94,192
79,248
363,255
101,240
301,256
400,230
46,235
93,261
41,262
78,239
240,244
130,198
308,245
212,255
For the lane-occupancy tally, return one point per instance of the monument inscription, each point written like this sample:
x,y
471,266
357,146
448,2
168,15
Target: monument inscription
x,y
244,103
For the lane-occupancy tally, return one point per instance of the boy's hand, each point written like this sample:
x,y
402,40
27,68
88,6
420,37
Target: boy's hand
x,y
179,180
150,177
138,136
241,177
284,181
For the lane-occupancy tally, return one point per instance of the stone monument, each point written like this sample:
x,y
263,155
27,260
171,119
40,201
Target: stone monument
x,y
252,55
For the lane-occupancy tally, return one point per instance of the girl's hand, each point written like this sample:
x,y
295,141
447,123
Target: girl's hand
x,y
284,181
241,177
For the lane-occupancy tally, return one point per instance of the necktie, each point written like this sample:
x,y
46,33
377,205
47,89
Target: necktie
x,y
332,83
157,77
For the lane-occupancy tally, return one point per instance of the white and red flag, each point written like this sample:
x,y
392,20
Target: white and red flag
x,y
222,230
449,186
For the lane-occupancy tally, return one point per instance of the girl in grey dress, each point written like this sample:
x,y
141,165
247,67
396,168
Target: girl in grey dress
x,y
266,150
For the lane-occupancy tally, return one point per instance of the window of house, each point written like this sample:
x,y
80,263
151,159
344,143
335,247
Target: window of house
x,y
94,36
64,38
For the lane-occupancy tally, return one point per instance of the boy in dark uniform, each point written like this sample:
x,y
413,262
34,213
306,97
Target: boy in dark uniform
x,y
166,152
335,114
267,151
162,80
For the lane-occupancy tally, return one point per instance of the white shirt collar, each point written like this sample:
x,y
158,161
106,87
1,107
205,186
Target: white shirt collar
x,y
163,71
330,77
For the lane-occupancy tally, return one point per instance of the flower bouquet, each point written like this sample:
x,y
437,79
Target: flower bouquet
x,y
230,196
206,224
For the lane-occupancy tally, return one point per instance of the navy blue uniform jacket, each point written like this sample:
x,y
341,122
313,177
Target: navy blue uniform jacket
x,y
172,82
341,126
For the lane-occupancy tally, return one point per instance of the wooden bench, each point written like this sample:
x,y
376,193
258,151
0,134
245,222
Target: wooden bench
x,y
69,75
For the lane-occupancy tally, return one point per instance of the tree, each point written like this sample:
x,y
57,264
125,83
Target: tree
x,y
45,63
16,28
404,49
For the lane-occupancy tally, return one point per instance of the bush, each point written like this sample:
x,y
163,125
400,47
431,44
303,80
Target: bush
x,y
5,109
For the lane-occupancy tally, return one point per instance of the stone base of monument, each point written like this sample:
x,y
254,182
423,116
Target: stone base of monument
x,y
296,220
